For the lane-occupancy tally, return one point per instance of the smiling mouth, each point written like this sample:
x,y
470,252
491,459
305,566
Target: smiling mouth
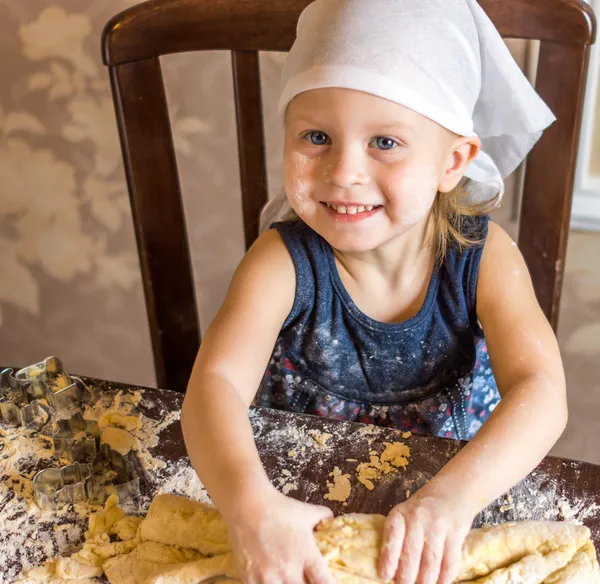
x,y
351,209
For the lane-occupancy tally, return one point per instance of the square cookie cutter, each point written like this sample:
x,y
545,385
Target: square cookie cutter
x,y
51,382
108,474
18,404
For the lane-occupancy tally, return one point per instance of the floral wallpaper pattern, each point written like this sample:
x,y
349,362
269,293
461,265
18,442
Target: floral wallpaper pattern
x,y
69,274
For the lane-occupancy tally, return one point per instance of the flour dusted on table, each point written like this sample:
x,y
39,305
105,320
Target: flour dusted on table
x,y
29,535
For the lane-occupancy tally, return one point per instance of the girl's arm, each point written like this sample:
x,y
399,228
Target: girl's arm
x,y
271,534
427,532
527,366
228,370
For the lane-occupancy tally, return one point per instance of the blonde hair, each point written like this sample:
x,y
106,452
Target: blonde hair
x,y
446,224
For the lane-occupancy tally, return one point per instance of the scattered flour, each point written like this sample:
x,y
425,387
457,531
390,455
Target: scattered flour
x,y
29,535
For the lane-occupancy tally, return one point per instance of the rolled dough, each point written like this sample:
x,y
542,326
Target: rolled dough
x,y
512,553
159,565
527,553
185,542
175,520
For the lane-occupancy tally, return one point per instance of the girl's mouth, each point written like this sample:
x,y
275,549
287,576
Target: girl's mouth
x,y
350,212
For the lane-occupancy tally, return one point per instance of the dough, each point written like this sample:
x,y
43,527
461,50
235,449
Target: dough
x,y
175,520
521,544
580,570
511,553
119,440
185,542
162,564
351,543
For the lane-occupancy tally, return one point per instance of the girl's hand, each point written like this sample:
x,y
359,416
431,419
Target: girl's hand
x,y
423,540
273,541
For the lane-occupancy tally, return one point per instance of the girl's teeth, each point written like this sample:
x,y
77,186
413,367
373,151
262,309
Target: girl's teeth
x,y
350,210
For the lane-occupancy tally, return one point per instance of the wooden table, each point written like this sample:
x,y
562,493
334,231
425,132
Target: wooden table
x,y
557,489
289,445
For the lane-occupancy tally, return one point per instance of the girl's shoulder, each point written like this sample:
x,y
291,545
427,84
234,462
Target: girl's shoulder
x,y
268,253
311,263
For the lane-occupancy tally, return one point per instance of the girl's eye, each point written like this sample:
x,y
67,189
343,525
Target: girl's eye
x,y
383,143
317,138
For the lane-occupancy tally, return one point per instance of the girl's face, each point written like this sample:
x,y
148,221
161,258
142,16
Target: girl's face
x,y
362,170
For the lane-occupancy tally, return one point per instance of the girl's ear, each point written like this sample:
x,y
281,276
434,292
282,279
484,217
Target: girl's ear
x,y
462,151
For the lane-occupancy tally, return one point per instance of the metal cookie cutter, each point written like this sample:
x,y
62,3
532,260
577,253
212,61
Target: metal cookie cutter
x,y
18,405
77,438
107,475
50,381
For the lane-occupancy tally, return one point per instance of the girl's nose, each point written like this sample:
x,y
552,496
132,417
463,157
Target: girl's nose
x,y
346,168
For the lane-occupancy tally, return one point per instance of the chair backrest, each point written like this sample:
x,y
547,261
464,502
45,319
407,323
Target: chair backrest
x,y
132,43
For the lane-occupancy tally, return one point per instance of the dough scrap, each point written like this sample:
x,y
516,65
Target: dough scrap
x,y
119,420
394,456
339,488
105,519
320,437
89,560
127,528
119,440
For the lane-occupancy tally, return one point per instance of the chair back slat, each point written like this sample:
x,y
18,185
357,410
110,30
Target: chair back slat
x,y
550,171
251,141
158,218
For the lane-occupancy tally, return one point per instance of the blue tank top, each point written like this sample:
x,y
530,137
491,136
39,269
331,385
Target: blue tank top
x,y
429,374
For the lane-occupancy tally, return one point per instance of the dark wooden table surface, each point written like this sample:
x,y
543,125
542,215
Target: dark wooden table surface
x,y
297,462
558,489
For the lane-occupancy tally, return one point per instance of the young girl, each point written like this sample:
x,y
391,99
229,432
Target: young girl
x,y
370,301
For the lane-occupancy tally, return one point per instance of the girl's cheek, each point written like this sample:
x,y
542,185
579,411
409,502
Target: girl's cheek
x,y
298,181
412,194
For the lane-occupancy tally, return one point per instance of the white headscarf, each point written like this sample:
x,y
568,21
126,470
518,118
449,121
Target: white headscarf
x,y
441,58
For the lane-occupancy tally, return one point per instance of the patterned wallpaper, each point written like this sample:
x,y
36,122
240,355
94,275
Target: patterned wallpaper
x,y
69,274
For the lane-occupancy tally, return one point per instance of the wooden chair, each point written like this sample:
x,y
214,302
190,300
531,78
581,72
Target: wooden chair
x,y
132,43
